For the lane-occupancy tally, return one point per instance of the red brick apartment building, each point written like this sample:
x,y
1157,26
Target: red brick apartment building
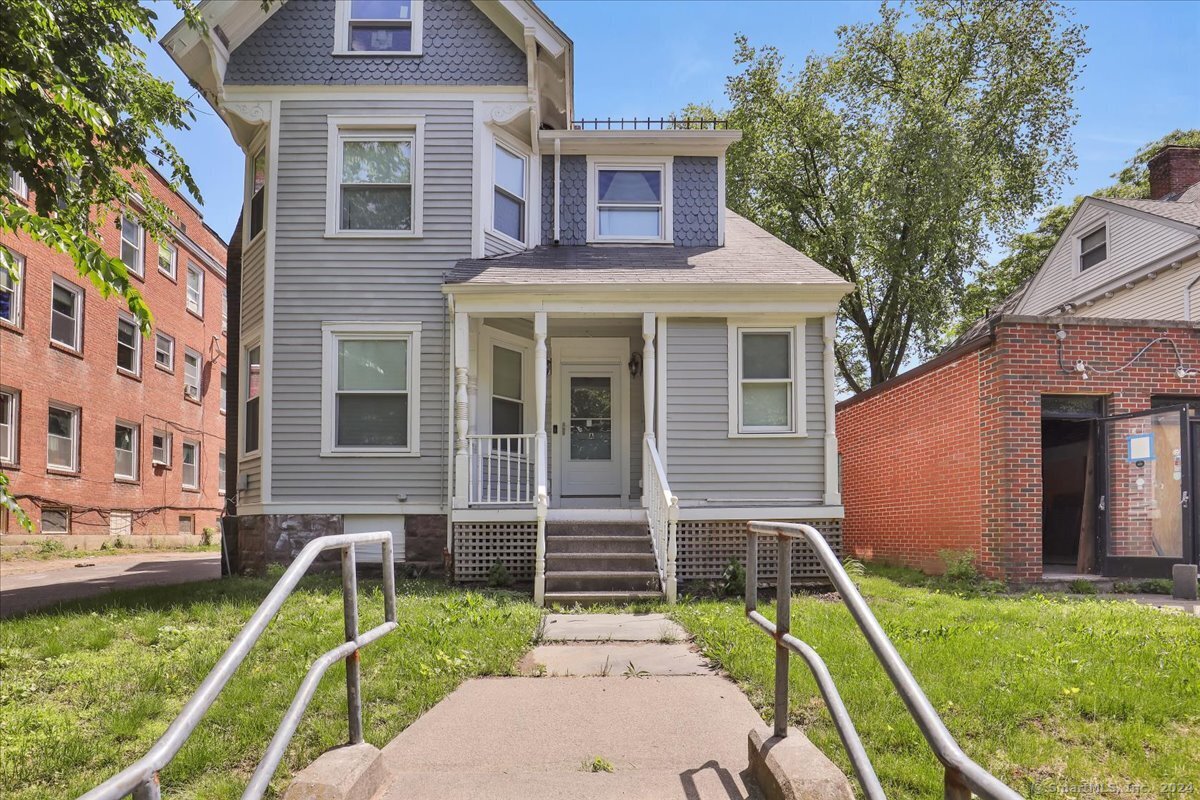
x,y
105,433
1061,435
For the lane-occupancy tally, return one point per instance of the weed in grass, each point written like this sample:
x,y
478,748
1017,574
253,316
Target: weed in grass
x,y
498,576
959,566
1156,586
854,568
733,579
598,764
51,547
1082,586
1125,587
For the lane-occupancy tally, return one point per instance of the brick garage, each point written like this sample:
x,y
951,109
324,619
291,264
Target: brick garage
x,y
949,455
37,372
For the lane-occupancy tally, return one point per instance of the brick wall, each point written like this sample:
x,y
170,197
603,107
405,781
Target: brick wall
x,y
907,452
41,372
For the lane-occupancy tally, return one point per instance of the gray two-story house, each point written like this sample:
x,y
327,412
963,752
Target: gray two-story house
x,y
504,336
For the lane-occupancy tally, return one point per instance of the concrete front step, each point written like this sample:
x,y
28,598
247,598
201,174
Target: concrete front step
x,y
602,581
709,781
600,562
597,529
598,598
598,544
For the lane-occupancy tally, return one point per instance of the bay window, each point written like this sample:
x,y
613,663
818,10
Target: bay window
x,y
371,393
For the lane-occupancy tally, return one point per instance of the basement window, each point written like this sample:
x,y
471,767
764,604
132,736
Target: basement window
x,y
1093,248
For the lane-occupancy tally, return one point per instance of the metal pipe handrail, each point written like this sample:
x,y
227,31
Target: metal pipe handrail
x,y
962,775
141,777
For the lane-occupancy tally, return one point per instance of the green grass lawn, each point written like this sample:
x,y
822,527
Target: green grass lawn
x,y
53,549
86,689
1041,691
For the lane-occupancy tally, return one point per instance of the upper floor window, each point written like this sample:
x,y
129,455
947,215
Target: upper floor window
x,y
766,376
160,448
1093,248
10,291
195,290
252,381
629,201
132,237
375,185
379,27
62,438
508,203
126,452
66,314
258,192
191,374
17,185
191,465
129,346
168,255
164,351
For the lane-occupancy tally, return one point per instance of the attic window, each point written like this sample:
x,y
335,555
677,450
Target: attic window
x,y
1093,248
379,27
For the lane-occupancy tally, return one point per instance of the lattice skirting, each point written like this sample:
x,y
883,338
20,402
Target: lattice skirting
x,y
706,547
477,545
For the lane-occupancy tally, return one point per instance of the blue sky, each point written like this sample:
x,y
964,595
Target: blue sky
x,y
652,58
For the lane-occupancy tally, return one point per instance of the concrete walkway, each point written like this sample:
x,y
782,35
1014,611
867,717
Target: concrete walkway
x,y
625,689
29,585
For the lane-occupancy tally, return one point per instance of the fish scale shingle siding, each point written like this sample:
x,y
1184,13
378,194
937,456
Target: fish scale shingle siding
x,y
460,45
572,200
694,201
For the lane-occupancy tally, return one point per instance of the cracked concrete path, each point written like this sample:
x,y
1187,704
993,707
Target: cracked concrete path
x,y
623,691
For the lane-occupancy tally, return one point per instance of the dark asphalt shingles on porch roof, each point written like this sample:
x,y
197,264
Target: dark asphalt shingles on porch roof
x,y
750,256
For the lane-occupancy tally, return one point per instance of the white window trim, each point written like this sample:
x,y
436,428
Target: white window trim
x,y
597,163
490,337
14,425
386,125
251,343
798,428
140,269
520,151
341,37
18,293
135,442
222,455
187,289
183,465
171,339
136,372
75,414
199,374
174,251
330,333
1096,225
168,448
79,300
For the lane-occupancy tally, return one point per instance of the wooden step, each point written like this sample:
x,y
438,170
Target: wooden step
x,y
633,529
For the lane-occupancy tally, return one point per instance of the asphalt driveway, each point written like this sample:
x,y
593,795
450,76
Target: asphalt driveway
x,y
29,585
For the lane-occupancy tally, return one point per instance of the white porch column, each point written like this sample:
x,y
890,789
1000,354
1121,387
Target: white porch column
x,y
462,343
649,373
542,501
833,492
473,375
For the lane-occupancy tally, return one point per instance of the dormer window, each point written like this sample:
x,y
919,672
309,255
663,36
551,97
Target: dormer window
x,y
379,27
1093,248
630,201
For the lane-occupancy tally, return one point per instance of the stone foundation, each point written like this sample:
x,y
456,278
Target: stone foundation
x,y
425,541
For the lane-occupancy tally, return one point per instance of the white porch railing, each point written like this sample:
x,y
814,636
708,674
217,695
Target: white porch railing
x,y
502,470
663,512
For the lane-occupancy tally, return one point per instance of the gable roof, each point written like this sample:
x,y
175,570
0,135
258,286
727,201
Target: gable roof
x,y
1182,210
751,257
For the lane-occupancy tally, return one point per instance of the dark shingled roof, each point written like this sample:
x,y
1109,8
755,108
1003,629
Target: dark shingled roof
x,y
750,256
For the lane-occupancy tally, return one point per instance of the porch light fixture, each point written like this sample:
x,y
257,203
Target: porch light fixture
x,y
635,365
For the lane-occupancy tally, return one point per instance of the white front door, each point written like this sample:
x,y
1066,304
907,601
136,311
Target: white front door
x,y
591,431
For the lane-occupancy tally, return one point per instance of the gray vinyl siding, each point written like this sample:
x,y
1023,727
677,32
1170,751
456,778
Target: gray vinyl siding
x,y
1132,242
493,245
253,286
1160,298
460,45
706,467
341,279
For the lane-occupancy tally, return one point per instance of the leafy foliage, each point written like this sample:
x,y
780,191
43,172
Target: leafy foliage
x,y
891,160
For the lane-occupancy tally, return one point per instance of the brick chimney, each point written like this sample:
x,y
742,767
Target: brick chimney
x,y
1172,170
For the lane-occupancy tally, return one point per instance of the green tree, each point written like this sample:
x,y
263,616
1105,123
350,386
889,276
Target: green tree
x,y
891,160
81,118
1027,251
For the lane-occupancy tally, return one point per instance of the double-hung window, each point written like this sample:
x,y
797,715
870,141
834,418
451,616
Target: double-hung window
x,y
378,27
10,291
66,314
168,257
221,467
160,448
374,176
62,438
195,290
224,390
126,452
164,351
508,400
252,381
10,415
191,465
508,196
1093,248
258,192
371,397
129,346
132,239
17,185
629,201
191,374
766,379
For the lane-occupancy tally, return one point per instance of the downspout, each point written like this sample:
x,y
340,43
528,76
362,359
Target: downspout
x,y
557,159
1187,297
